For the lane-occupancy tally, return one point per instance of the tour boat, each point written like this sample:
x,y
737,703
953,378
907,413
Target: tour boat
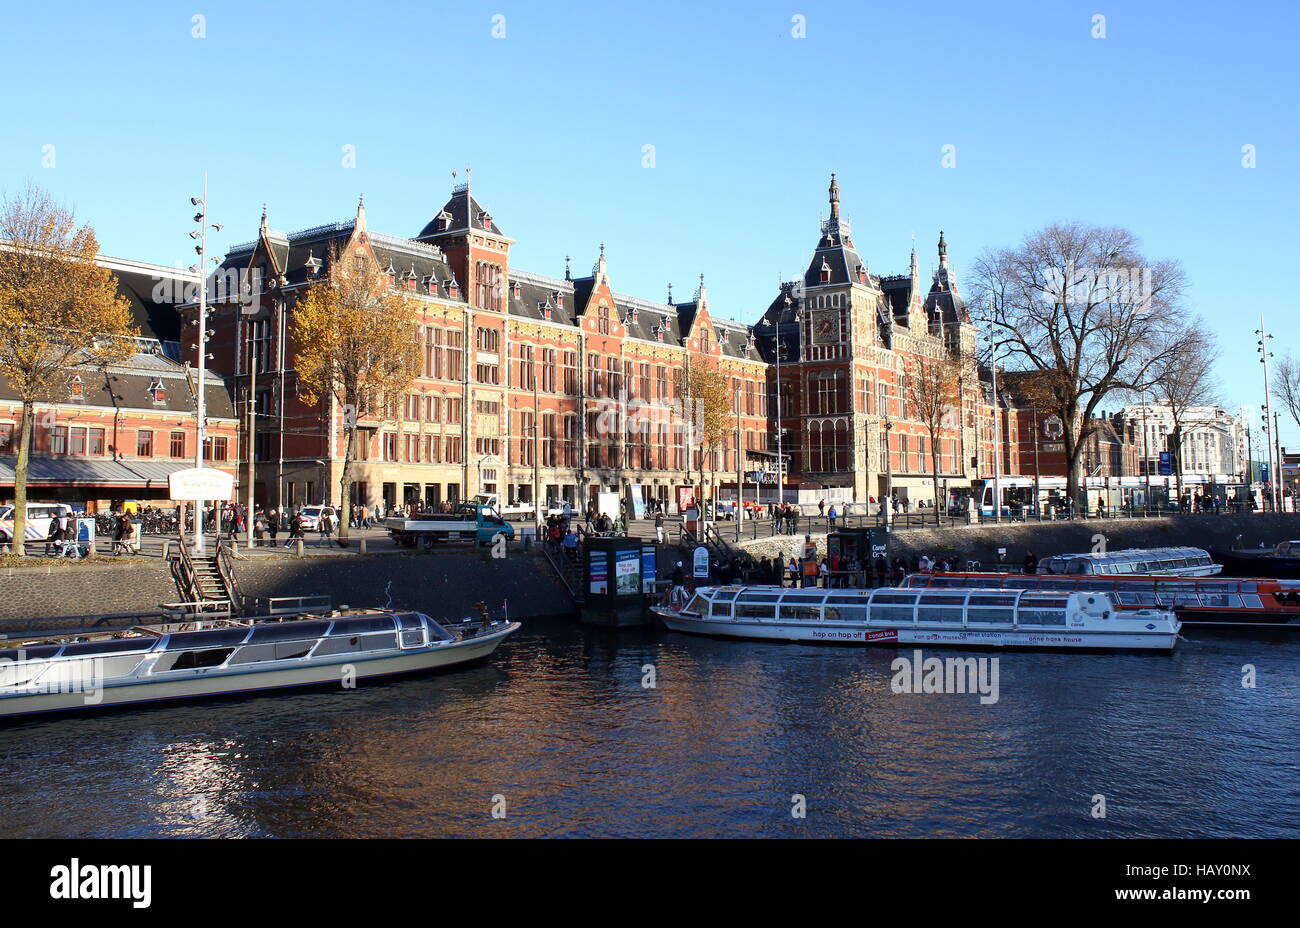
x,y
1172,562
1281,560
1229,602
148,663
896,616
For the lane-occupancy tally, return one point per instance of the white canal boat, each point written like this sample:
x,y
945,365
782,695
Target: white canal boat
x,y
148,663
889,616
1147,562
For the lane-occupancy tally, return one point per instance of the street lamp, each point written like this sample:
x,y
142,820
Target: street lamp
x,y
200,406
1261,347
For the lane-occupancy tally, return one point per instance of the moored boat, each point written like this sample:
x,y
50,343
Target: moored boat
x,y
1172,562
148,663
1281,560
894,616
1254,602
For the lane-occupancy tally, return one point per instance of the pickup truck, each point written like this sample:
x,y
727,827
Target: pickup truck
x,y
469,522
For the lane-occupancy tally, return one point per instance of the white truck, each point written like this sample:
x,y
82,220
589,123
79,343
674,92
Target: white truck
x,y
468,522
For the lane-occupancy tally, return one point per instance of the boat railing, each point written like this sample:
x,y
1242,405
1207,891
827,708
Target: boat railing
x,y
197,611
292,605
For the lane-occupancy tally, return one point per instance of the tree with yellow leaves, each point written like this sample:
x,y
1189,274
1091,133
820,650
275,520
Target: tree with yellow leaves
x,y
59,310
354,344
708,406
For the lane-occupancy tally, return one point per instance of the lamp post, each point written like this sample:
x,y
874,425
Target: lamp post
x,y
1261,346
200,405
887,494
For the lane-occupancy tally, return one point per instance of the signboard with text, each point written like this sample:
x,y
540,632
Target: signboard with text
x,y
201,483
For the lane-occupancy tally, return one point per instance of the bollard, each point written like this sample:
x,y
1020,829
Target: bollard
x,y
298,547
166,549
361,546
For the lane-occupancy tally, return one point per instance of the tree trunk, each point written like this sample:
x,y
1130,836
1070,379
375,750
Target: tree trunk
x,y
934,469
345,485
20,481
1178,464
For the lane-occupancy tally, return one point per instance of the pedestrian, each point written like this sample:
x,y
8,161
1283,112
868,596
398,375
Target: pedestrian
x,y
326,525
259,527
793,570
824,572
832,515
1031,563
677,594
118,530
821,507
659,527
273,524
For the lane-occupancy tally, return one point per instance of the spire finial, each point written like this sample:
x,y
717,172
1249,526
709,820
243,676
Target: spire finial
x,y
567,275
263,224
943,250
835,198
670,293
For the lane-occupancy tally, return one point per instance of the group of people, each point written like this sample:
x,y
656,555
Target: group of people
x,y
561,534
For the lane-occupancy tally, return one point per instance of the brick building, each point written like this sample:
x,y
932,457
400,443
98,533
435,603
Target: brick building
x,y
117,432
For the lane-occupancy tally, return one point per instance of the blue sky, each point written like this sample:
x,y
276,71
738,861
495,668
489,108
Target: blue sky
x,y
1143,128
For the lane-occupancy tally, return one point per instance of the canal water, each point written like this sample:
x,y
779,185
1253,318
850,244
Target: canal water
x,y
560,734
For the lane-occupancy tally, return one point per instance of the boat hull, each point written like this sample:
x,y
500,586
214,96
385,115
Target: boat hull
x,y
228,682
884,636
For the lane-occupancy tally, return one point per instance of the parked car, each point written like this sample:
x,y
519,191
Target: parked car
x,y
311,516
40,520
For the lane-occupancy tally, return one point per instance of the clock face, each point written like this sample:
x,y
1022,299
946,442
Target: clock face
x,y
825,328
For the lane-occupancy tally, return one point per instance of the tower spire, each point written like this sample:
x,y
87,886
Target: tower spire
x,y
943,250
835,198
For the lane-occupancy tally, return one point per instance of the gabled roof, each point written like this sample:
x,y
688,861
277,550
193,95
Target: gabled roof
x,y
465,213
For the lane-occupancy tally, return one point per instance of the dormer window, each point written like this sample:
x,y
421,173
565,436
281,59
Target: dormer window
x,y
825,272
444,220
157,392
559,299
76,389
544,307
634,315
518,290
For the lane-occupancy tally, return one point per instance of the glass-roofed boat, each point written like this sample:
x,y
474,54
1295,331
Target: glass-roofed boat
x,y
179,661
1166,562
893,616
1230,602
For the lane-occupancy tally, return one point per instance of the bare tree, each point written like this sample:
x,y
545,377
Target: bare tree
x,y
1185,382
931,388
1083,308
1286,384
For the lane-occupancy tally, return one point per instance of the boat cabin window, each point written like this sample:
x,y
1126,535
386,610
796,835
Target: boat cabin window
x,y
847,608
409,620
287,631
696,606
801,611
191,660
221,637
109,646
35,652
372,623
763,609
893,607
941,607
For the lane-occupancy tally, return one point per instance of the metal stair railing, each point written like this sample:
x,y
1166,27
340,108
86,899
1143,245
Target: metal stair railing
x,y
229,579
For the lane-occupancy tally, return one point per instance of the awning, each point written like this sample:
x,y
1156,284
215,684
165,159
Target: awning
x,y
92,472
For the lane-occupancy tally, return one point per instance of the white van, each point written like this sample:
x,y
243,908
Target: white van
x,y
40,520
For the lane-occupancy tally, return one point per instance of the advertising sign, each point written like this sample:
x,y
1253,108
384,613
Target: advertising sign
x,y
627,572
649,569
638,501
1166,468
201,483
701,562
598,578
